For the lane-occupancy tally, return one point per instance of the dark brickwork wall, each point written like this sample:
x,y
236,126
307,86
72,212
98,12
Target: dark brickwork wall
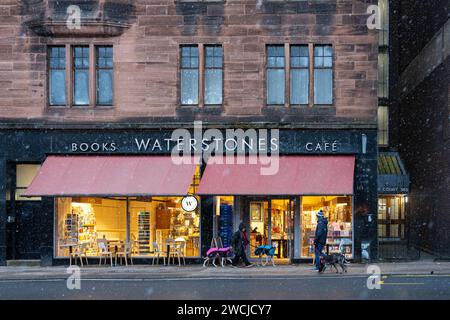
x,y
425,148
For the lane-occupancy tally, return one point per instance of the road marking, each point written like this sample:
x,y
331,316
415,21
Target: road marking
x,y
402,283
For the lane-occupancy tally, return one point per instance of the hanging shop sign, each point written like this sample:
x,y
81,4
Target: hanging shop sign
x,y
189,203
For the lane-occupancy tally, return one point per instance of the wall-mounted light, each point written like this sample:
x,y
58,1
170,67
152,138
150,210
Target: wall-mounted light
x,y
364,143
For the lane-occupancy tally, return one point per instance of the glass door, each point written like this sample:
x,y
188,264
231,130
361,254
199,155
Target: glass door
x,y
282,215
259,225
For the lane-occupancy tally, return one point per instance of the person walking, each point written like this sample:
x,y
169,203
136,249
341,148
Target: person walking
x,y
239,242
320,238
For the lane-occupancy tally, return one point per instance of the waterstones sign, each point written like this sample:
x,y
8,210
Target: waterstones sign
x,y
211,141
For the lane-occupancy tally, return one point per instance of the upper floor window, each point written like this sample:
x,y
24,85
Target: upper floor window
x,y
201,75
299,74
383,75
57,76
81,76
323,74
383,126
91,79
189,75
309,70
104,75
383,38
275,74
213,74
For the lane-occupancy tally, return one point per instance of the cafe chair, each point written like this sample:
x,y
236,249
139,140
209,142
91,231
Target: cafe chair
x,y
157,252
78,251
104,251
124,252
178,251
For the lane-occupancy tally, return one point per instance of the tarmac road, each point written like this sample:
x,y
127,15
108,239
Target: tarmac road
x,y
239,287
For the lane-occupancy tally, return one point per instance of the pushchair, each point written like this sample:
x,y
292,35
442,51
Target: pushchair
x,y
267,251
217,251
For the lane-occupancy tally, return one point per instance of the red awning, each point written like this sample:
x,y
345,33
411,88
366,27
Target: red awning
x,y
111,176
297,175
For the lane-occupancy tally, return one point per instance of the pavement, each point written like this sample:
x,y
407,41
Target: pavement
x,y
198,271
397,281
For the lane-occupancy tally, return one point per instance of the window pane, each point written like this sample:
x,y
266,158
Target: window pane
x,y
275,86
383,74
58,87
213,86
189,86
299,86
383,125
323,86
104,87
81,87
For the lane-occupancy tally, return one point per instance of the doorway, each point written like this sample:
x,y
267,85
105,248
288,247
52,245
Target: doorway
x,y
272,223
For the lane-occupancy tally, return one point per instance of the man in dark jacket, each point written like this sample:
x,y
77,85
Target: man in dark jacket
x,y
320,238
239,243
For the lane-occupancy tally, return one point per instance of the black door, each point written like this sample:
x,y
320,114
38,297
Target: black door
x,y
25,232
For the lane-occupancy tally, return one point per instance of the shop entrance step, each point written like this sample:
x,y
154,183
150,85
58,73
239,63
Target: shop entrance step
x,y
23,263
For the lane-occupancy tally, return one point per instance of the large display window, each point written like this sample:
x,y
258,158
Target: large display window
x,y
152,221
338,211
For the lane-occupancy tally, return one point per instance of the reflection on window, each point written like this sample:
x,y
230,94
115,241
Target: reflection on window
x,y
299,74
275,74
81,76
189,75
223,222
384,17
154,222
383,75
57,76
104,75
213,74
338,211
383,126
25,173
323,74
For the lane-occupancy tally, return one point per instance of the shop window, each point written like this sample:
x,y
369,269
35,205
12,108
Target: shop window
x,y
275,74
338,210
57,76
152,220
213,74
323,74
299,81
383,126
391,218
189,75
25,173
88,84
383,75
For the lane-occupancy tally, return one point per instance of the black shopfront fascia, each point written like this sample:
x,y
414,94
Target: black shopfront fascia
x,y
33,145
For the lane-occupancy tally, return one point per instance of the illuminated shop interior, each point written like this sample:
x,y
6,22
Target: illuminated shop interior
x,y
338,211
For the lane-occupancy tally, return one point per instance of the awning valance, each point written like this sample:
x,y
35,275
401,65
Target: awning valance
x,y
111,176
296,175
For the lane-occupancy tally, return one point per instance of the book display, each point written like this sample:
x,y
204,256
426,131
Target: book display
x,y
144,232
339,214
84,215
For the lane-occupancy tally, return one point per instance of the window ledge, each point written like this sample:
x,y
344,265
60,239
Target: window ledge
x,y
300,110
195,109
